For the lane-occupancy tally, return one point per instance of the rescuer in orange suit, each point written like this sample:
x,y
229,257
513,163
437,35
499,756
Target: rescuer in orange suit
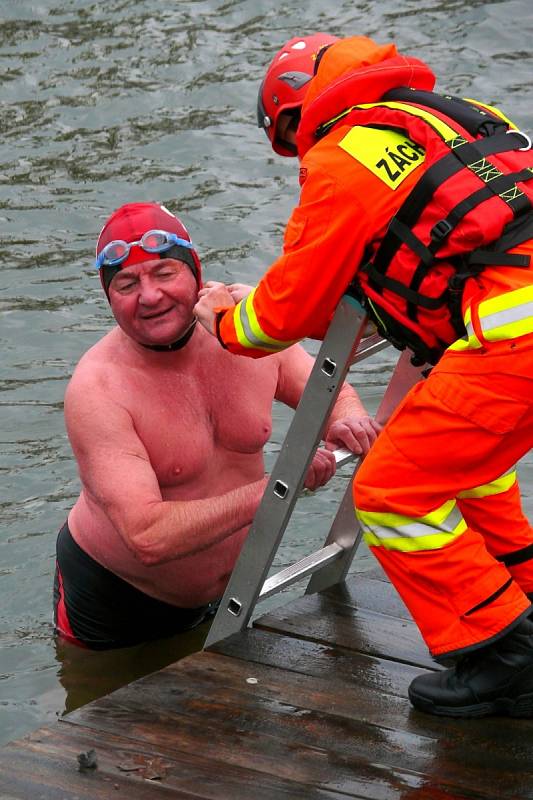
x,y
418,206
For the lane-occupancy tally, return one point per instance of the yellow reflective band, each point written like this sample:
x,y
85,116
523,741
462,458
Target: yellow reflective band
x,y
431,542
501,484
390,155
437,124
411,534
470,341
239,330
249,331
508,315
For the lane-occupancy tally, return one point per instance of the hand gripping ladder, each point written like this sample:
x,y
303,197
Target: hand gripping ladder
x,y
329,565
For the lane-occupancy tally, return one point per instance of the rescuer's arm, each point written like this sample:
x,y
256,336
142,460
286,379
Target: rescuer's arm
x,y
323,245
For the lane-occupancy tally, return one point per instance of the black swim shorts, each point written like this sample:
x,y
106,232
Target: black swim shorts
x,y
95,608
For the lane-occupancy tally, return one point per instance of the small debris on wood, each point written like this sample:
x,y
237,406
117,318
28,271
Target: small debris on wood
x,y
87,761
151,769
129,767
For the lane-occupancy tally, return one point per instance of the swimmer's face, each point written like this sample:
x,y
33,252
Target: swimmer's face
x,y
153,301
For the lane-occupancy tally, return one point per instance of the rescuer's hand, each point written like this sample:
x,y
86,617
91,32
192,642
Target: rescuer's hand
x,y
213,295
355,433
321,469
239,291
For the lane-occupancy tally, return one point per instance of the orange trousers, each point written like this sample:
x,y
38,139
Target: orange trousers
x,y
452,433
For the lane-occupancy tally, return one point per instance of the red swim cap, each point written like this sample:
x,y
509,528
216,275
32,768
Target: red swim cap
x,y
129,222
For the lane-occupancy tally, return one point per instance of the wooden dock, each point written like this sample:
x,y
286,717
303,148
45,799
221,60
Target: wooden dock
x,y
310,703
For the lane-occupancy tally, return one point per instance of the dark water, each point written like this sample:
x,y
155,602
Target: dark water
x,y
128,100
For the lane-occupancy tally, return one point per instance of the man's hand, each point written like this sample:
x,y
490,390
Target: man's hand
x,y
355,433
213,295
321,469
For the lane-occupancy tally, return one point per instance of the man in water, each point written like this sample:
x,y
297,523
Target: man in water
x,y
168,431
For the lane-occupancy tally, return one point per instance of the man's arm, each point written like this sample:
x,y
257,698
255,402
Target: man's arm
x,y
117,475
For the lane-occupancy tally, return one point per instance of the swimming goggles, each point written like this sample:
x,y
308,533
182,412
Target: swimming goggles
x,y
151,242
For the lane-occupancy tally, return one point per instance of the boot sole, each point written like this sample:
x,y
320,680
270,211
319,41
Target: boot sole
x,y
521,706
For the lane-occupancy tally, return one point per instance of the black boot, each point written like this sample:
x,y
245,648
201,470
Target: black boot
x,y
497,679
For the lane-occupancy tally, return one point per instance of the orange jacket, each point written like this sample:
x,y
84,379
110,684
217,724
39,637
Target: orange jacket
x,y
345,206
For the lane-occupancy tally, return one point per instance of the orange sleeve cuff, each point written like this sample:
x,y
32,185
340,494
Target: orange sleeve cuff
x,y
225,329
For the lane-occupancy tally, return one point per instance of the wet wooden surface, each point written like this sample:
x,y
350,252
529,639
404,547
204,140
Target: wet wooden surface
x,y
310,703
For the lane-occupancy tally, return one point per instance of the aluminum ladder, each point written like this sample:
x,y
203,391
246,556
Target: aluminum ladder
x,y
343,346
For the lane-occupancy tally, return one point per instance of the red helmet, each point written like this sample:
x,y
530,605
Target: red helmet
x,y
285,84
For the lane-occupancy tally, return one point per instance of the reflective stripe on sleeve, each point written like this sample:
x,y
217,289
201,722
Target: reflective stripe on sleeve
x,y
470,341
249,332
507,316
497,486
411,534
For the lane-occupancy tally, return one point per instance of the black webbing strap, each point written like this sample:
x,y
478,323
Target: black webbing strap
x,y
443,228
384,282
497,259
515,232
495,180
499,185
406,235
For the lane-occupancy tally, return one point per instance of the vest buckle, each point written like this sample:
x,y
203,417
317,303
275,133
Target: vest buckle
x,y
440,230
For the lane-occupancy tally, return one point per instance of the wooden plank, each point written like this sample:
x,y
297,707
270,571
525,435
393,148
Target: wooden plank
x,y
318,618
309,705
348,685
298,743
227,736
44,766
373,592
345,669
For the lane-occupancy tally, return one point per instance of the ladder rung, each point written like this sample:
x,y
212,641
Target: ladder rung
x,y
309,564
306,566
344,456
367,347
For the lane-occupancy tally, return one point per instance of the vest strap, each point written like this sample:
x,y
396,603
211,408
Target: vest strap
x,y
494,258
425,188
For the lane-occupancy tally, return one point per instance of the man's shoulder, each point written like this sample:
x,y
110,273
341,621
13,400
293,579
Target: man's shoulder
x,y
96,366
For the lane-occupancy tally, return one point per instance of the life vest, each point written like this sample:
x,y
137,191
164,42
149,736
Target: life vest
x,y
472,204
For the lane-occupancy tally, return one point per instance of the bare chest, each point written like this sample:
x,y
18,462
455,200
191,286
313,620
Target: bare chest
x,y
205,419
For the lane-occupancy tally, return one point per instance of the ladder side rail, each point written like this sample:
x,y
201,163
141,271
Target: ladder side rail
x,y
345,530
329,371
